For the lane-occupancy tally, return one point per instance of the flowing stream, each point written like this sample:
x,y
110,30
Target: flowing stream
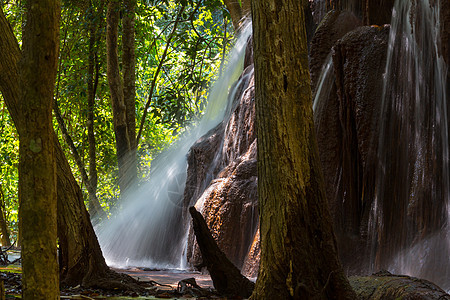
x,y
149,231
409,224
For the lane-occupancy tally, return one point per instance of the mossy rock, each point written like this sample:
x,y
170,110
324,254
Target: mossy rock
x,y
386,286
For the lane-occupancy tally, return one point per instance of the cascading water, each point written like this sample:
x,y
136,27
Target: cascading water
x,y
150,231
324,87
409,223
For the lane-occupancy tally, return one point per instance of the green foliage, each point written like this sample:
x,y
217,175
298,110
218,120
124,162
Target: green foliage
x,y
192,62
9,161
193,59
14,12
71,93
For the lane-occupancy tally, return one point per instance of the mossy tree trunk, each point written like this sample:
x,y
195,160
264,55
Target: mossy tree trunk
x,y
95,208
80,257
92,80
122,91
298,247
37,169
129,79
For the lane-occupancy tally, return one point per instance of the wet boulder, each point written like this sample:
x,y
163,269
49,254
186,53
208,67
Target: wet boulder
x,y
251,262
222,179
378,12
334,25
347,137
445,38
445,30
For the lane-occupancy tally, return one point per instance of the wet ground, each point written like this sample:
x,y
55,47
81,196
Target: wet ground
x,y
168,277
166,284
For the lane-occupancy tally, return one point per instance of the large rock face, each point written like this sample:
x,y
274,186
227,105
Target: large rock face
x,y
333,26
445,30
409,225
445,39
378,12
347,138
222,181
222,164
221,177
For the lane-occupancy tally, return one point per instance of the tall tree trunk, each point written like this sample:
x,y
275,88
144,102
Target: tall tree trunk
x,y
80,258
298,247
6,242
37,169
119,107
129,76
93,72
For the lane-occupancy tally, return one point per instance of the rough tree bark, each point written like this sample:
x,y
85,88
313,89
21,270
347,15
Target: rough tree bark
x,y
80,257
124,141
298,247
37,169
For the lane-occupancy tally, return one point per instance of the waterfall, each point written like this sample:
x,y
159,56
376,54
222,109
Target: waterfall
x,y
409,223
149,231
324,86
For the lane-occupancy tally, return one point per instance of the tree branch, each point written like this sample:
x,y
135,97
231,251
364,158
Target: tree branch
x,y
161,62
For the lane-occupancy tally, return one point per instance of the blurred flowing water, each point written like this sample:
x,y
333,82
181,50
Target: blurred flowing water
x,y
150,230
324,86
409,228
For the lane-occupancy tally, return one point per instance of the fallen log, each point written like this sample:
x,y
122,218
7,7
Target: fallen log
x,y
227,279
